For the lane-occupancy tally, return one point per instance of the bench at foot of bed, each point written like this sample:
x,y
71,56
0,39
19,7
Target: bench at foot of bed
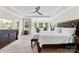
x,y
34,42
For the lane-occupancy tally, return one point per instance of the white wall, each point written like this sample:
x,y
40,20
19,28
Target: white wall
x,y
20,27
14,21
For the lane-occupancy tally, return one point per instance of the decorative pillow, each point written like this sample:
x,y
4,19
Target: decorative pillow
x,y
68,30
58,29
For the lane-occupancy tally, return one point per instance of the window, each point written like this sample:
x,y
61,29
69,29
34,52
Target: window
x,y
46,25
5,24
35,25
40,25
26,24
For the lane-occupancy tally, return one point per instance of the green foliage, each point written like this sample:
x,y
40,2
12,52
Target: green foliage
x,y
40,25
35,25
6,25
46,25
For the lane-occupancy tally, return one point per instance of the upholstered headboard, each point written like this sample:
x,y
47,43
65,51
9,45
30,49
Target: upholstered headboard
x,y
70,24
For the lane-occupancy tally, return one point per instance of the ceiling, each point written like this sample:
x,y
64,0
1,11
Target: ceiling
x,y
23,11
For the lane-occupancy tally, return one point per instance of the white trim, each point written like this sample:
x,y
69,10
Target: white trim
x,y
38,16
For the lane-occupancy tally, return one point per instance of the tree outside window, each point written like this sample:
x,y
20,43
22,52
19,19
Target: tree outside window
x,y
26,24
46,25
40,25
35,25
5,24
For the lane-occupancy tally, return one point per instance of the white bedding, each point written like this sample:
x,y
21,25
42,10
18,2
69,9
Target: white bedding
x,y
52,37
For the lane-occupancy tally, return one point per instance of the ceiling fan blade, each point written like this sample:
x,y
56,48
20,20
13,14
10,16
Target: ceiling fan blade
x,y
34,12
40,13
37,10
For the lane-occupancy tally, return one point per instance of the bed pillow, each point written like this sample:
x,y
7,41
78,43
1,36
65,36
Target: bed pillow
x,y
58,29
68,30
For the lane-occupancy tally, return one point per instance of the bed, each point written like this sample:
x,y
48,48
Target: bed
x,y
63,33
56,37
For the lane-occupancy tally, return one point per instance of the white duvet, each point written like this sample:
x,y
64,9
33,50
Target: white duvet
x,y
52,37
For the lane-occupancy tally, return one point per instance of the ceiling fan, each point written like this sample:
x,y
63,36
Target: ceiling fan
x,y
37,10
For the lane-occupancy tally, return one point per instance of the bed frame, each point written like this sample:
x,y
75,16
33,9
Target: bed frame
x,y
69,24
